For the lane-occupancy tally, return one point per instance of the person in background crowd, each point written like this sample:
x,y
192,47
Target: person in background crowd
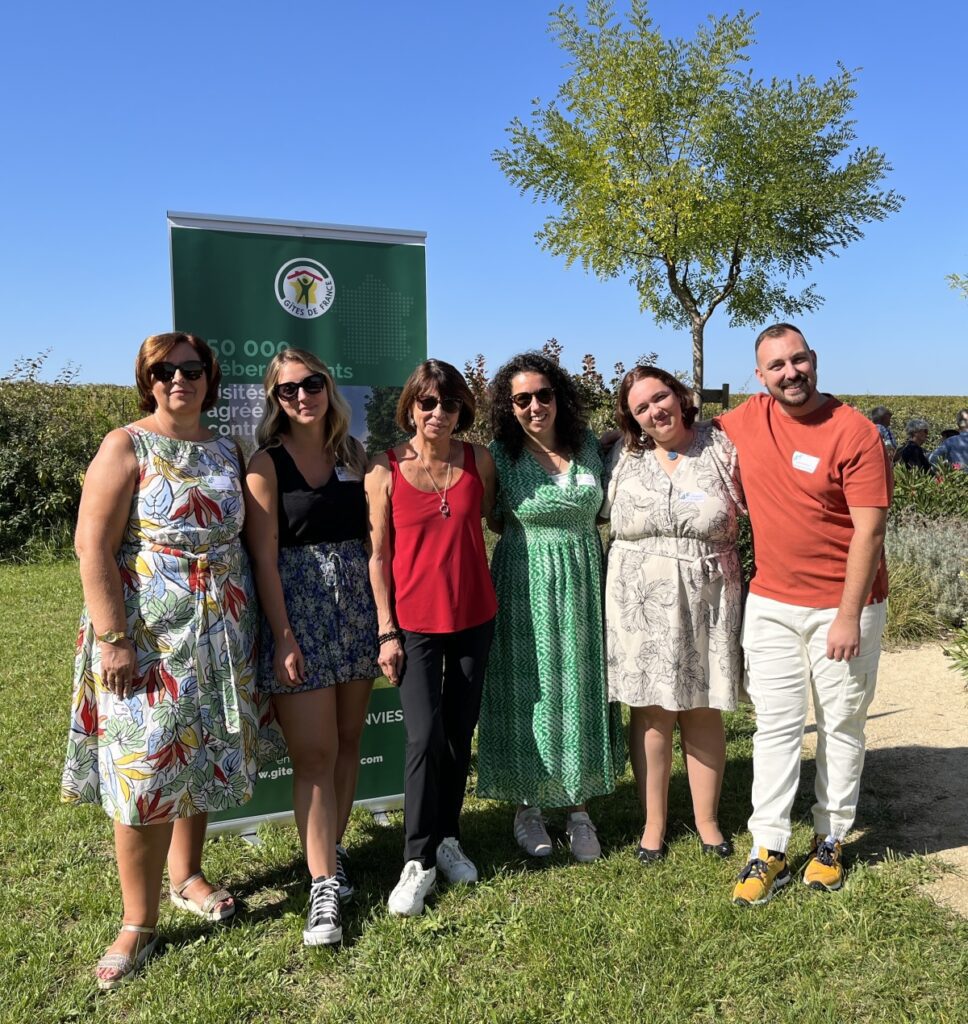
x,y
306,531
881,417
673,597
545,720
954,450
435,609
912,454
818,485
165,715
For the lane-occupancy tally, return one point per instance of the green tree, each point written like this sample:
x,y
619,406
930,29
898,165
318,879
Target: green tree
x,y
669,162
382,431
960,283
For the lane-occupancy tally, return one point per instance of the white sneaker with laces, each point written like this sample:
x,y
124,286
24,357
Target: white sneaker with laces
x,y
324,926
582,838
454,864
530,832
407,898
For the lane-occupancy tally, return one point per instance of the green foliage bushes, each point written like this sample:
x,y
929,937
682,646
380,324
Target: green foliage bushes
x,y
49,432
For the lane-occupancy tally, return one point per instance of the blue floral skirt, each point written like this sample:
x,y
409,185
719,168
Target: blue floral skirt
x,y
332,615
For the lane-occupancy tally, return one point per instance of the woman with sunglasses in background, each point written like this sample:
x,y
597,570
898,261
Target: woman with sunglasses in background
x,y
435,605
165,719
306,534
546,727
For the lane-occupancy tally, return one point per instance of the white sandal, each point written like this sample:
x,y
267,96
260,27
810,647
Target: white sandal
x,y
206,908
126,966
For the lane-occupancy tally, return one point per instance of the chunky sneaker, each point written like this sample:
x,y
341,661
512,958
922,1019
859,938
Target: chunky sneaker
x,y
407,898
324,926
582,838
346,889
765,873
530,832
825,869
454,864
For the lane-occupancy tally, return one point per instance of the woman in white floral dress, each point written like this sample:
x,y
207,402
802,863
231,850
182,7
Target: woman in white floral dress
x,y
673,596
165,722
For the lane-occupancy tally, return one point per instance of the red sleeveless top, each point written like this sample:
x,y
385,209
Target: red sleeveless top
x,y
441,582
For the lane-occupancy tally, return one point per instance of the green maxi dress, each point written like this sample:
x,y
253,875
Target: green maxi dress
x,y
546,729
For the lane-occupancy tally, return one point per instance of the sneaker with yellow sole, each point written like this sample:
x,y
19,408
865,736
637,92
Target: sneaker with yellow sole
x,y
766,872
825,868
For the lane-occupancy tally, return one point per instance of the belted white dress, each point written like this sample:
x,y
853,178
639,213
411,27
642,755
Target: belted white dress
x,y
187,740
673,591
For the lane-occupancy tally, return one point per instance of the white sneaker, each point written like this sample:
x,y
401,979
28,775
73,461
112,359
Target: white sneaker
x,y
582,838
407,898
530,832
454,864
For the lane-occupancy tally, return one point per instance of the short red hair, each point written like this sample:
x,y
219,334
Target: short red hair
x,y
156,349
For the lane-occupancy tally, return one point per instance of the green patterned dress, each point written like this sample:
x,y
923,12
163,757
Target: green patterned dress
x,y
547,731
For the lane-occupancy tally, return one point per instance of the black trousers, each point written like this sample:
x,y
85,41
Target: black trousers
x,y
440,693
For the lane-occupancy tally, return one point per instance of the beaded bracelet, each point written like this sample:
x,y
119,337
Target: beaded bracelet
x,y
393,634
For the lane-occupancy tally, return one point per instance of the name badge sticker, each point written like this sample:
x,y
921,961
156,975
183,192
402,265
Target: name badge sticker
x,y
221,483
585,480
805,463
693,497
345,475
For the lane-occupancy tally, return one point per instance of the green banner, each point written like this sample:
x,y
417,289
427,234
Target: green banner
x,y
357,298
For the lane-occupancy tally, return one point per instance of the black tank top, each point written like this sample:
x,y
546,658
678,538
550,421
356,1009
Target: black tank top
x,y
317,515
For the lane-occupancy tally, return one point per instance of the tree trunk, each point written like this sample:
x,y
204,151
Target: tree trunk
x,y
697,368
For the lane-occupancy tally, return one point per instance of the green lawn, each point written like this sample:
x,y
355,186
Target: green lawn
x,y
611,941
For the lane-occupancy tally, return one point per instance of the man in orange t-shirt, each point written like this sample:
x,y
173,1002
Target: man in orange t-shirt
x,y
818,486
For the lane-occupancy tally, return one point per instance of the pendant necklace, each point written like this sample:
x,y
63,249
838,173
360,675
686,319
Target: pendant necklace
x,y
444,506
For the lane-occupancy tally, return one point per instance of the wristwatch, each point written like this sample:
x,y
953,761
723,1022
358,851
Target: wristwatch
x,y
112,636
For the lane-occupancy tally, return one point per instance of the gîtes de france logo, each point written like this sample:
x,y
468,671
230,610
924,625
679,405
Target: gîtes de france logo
x,y
305,288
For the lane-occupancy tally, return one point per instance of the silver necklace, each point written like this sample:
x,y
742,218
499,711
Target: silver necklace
x,y
444,506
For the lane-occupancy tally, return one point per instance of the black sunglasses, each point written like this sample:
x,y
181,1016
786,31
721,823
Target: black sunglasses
x,y
312,385
430,402
192,369
522,399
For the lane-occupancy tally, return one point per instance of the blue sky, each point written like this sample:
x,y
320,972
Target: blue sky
x,y
386,114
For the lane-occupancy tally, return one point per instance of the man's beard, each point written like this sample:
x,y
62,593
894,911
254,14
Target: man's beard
x,y
807,390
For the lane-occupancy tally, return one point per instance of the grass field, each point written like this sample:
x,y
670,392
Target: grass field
x,y
611,941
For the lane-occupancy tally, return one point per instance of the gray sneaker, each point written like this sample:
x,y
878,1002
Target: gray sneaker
x,y
582,838
323,924
454,864
346,889
530,832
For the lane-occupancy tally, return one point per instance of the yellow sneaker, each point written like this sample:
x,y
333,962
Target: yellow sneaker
x,y
825,869
764,874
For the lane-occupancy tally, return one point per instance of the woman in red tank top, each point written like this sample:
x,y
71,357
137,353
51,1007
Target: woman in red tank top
x,y
435,608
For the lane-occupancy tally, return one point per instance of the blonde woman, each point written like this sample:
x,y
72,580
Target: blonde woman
x,y
306,530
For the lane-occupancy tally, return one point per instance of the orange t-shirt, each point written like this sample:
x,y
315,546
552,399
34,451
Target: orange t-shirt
x,y
800,477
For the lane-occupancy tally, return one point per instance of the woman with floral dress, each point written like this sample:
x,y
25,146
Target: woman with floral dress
x,y
306,531
672,596
165,720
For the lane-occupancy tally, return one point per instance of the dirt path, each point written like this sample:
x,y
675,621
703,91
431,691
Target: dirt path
x,y
914,796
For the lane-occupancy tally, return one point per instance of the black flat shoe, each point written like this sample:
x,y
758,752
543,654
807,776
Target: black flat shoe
x,y
647,856
723,849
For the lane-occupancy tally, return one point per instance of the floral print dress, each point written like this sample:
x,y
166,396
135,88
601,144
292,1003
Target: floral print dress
x,y
186,741
673,601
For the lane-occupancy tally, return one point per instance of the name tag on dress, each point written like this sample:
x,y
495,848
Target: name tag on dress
x,y
693,497
346,475
585,480
221,483
805,463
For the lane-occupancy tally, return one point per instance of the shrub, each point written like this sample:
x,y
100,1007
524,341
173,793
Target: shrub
x,y
926,496
910,614
957,650
937,549
49,432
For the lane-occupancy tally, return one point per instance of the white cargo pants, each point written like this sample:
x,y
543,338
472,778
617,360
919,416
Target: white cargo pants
x,y
785,648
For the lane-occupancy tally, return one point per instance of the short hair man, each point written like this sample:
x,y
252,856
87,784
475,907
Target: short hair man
x,y
818,485
881,418
954,450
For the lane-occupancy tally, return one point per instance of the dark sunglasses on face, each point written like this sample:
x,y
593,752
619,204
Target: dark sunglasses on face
x,y
190,370
544,396
430,402
312,385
